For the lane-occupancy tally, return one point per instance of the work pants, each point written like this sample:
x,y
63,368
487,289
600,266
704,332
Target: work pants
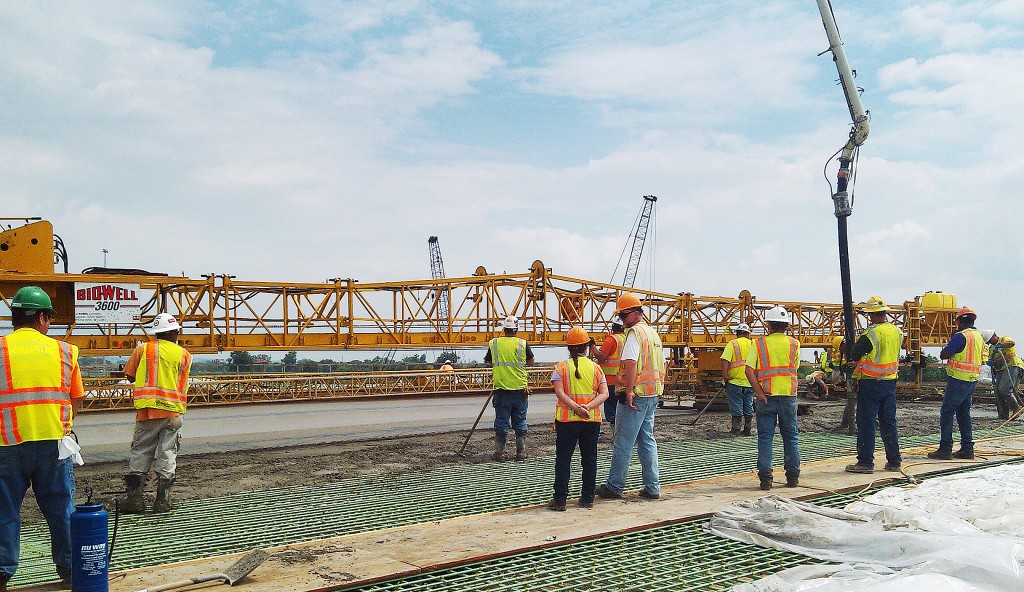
x,y
155,445
1004,382
779,410
569,434
956,402
609,405
53,483
876,400
741,399
635,428
510,411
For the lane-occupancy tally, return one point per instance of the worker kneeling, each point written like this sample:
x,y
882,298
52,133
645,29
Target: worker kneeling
x,y
581,388
159,368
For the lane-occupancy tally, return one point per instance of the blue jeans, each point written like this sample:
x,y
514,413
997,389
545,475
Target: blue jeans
x,y
635,428
567,435
956,401
609,405
510,411
741,399
779,410
53,482
876,399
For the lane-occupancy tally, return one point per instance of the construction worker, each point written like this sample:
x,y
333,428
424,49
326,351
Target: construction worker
x,y
509,356
734,375
159,368
641,380
877,353
817,388
581,389
963,355
1002,359
40,393
832,361
772,371
609,356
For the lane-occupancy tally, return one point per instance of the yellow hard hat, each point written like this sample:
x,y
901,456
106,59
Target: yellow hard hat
x,y
876,304
577,336
626,302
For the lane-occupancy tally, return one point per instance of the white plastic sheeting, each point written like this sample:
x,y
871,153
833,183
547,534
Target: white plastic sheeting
x,y
956,533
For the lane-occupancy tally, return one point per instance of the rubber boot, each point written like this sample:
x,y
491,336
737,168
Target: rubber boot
x,y
747,419
499,446
1012,405
163,495
1001,411
735,431
521,447
135,487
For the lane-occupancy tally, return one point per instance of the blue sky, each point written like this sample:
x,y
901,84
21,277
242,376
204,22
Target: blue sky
x,y
298,141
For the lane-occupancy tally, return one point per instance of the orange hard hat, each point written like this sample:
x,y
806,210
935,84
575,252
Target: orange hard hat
x,y
577,336
626,302
966,311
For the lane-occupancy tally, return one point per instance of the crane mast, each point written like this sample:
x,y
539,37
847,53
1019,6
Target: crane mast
x,y
437,273
847,157
639,238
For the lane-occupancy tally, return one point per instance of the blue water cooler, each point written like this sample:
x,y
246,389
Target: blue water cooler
x,y
89,548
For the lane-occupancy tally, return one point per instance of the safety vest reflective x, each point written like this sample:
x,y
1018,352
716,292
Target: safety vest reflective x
x,y
778,357
162,379
35,387
883,362
966,364
737,366
508,363
1003,357
611,365
581,390
650,367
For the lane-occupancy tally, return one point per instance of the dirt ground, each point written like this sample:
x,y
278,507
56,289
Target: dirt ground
x,y
214,475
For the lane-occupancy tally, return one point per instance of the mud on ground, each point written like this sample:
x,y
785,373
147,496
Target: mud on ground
x,y
219,474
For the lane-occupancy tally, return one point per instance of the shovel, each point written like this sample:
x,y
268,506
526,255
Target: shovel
x,y
696,419
230,576
462,451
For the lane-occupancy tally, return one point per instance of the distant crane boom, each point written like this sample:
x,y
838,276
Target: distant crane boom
x,y
437,273
639,239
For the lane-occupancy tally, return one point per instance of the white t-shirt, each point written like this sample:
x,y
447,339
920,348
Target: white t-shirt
x,y
631,349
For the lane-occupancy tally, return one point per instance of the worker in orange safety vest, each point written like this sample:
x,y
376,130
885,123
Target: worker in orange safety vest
x,y
608,356
963,355
159,368
40,393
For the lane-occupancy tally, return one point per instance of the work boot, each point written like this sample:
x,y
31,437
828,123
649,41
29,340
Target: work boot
x,y
964,454
940,455
135,487
792,481
747,419
163,495
893,467
1001,411
499,446
766,482
604,492
859,468
556,505
735,431
520,447
3,582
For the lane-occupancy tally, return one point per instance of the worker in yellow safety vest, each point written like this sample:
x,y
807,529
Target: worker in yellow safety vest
x,y
509,356
772,371
963,355
640,380
159,368
1003,360
40,393
608,356
878,355
738,390
580,388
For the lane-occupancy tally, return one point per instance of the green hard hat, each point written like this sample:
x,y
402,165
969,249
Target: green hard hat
x,y
32,298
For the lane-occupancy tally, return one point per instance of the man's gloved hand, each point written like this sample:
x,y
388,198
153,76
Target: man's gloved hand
x,y
997,347
988,363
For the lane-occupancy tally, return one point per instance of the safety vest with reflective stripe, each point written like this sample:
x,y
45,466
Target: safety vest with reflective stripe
x,y
650,366
740,348
581,390
35,387
883,361
1007,357
966,364
778,357
162,379
826,362
508,363
610,366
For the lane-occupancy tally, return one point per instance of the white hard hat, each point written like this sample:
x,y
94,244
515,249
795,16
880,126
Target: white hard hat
x,y
810,379
987,335
165,322
617,322
777,314
742,328
510,322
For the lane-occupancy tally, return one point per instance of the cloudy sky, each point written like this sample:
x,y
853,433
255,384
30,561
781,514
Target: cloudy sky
x,y
299,141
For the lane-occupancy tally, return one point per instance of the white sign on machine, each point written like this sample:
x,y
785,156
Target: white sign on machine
x,y
103,302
